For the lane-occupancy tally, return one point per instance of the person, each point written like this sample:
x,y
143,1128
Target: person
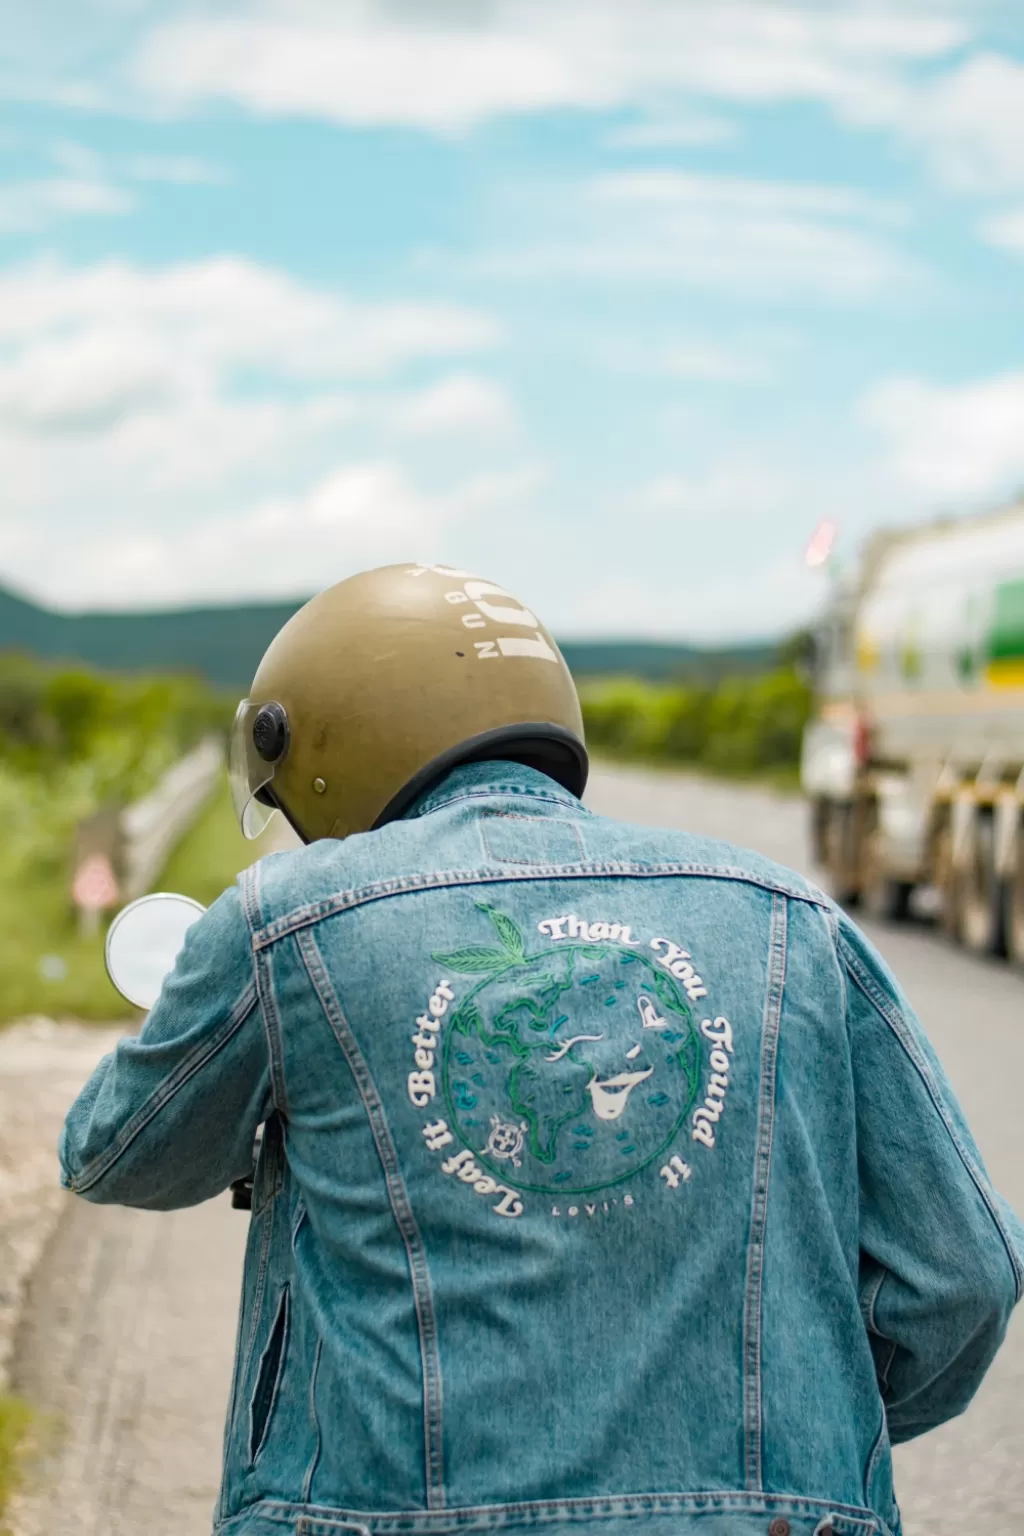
x,y
607,1178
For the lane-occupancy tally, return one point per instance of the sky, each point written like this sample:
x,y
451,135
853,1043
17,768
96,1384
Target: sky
x,y
610,303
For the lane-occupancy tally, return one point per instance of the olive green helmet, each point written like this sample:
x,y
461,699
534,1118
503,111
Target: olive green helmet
x,y
380,685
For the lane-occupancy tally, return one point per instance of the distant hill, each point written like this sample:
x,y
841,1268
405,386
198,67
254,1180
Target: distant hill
x,y
659,662
224,644
221,644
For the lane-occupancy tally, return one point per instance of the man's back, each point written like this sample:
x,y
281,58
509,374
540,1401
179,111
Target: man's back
x,y
606,1176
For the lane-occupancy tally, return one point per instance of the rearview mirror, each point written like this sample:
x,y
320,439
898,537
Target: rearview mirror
x,y
143,943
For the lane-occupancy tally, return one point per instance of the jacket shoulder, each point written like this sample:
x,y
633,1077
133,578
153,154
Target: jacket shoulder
x,y
687,853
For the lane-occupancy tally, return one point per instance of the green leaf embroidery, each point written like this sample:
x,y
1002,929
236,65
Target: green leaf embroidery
x,y
474,960
467,1021
509,933
669,997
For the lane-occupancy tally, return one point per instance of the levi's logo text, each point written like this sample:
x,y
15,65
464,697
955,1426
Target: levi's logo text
x,y
574,1071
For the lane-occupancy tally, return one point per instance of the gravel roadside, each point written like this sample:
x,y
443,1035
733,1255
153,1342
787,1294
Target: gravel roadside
x,y
42,1067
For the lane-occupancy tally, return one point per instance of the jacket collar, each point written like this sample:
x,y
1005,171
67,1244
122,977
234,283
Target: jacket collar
x,y
483,780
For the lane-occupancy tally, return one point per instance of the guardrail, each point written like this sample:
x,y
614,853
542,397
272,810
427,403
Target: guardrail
x,y
151,827
120,855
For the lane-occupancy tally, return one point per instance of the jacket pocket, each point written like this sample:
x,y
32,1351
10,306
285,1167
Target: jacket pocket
x,y
268,1379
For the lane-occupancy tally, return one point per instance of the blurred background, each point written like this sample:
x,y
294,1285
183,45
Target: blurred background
x,y
698,327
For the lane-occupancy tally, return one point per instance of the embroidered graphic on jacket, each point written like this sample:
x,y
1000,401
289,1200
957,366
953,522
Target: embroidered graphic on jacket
x,y
569,1070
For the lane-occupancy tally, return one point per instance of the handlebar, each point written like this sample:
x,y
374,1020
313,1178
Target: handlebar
x,y
241,1189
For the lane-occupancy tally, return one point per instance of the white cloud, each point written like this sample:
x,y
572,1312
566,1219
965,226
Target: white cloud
x,y
769,239
912,69
461,403
137,404
728,554
174,170
358,515
963,442
84,183
72,337
367,64
754,600
35,203
677,130
971,122
705,363
1005,230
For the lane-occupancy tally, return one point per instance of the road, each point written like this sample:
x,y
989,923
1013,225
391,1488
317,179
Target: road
x,y
130,1328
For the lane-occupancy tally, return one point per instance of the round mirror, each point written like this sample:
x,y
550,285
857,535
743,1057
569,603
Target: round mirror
x,y
143,943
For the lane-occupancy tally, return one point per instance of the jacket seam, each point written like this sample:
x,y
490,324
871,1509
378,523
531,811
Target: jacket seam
x,y
501,791
402,1210
257,1305
550,821
869,1311
831,921
314,1460
265,988
884,1371
315,912
752,1318
284,1312
231,1416
872,1326
542,1511
897,1023
197,1058
875,1458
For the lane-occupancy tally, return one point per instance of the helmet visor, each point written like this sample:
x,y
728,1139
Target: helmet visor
x,y
248,772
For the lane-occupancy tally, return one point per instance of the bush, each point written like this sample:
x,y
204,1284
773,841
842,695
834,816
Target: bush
x,y
15,1423
74,742
743,725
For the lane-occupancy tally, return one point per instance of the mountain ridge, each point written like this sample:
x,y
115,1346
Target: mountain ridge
x,y
224,643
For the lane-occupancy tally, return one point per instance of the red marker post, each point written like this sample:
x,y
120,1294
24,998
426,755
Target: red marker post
x,y
93,890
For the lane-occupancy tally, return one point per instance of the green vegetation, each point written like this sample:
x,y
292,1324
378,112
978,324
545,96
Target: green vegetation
x,y
74,743
16,1419
212,853
743,726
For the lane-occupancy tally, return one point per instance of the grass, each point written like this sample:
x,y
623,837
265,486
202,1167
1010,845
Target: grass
x,y
47,967
212,853
16,1420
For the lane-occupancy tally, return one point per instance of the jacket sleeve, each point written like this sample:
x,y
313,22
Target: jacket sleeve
x,y
942,1256
169,1117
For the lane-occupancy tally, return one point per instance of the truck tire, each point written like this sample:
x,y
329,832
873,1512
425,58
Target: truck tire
x,y
1014,903
882,897
886,900
838,839
979,894
945,881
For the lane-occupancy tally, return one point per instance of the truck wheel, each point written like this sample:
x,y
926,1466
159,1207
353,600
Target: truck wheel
x,y
818,829
945,882
839,861
1015,903
979,893
882,897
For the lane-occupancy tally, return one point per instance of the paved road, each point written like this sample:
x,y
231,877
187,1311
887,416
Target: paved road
x,y
131,1326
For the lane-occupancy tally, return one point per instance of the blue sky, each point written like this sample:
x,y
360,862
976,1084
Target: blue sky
x,y
609,302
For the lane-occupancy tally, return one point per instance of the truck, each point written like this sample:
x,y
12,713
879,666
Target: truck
x,y
913,761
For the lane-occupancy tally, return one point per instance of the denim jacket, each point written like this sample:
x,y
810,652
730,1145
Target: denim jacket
x,y
608,1181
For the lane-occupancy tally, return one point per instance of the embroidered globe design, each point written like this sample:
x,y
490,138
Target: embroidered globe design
x,y
569,1070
